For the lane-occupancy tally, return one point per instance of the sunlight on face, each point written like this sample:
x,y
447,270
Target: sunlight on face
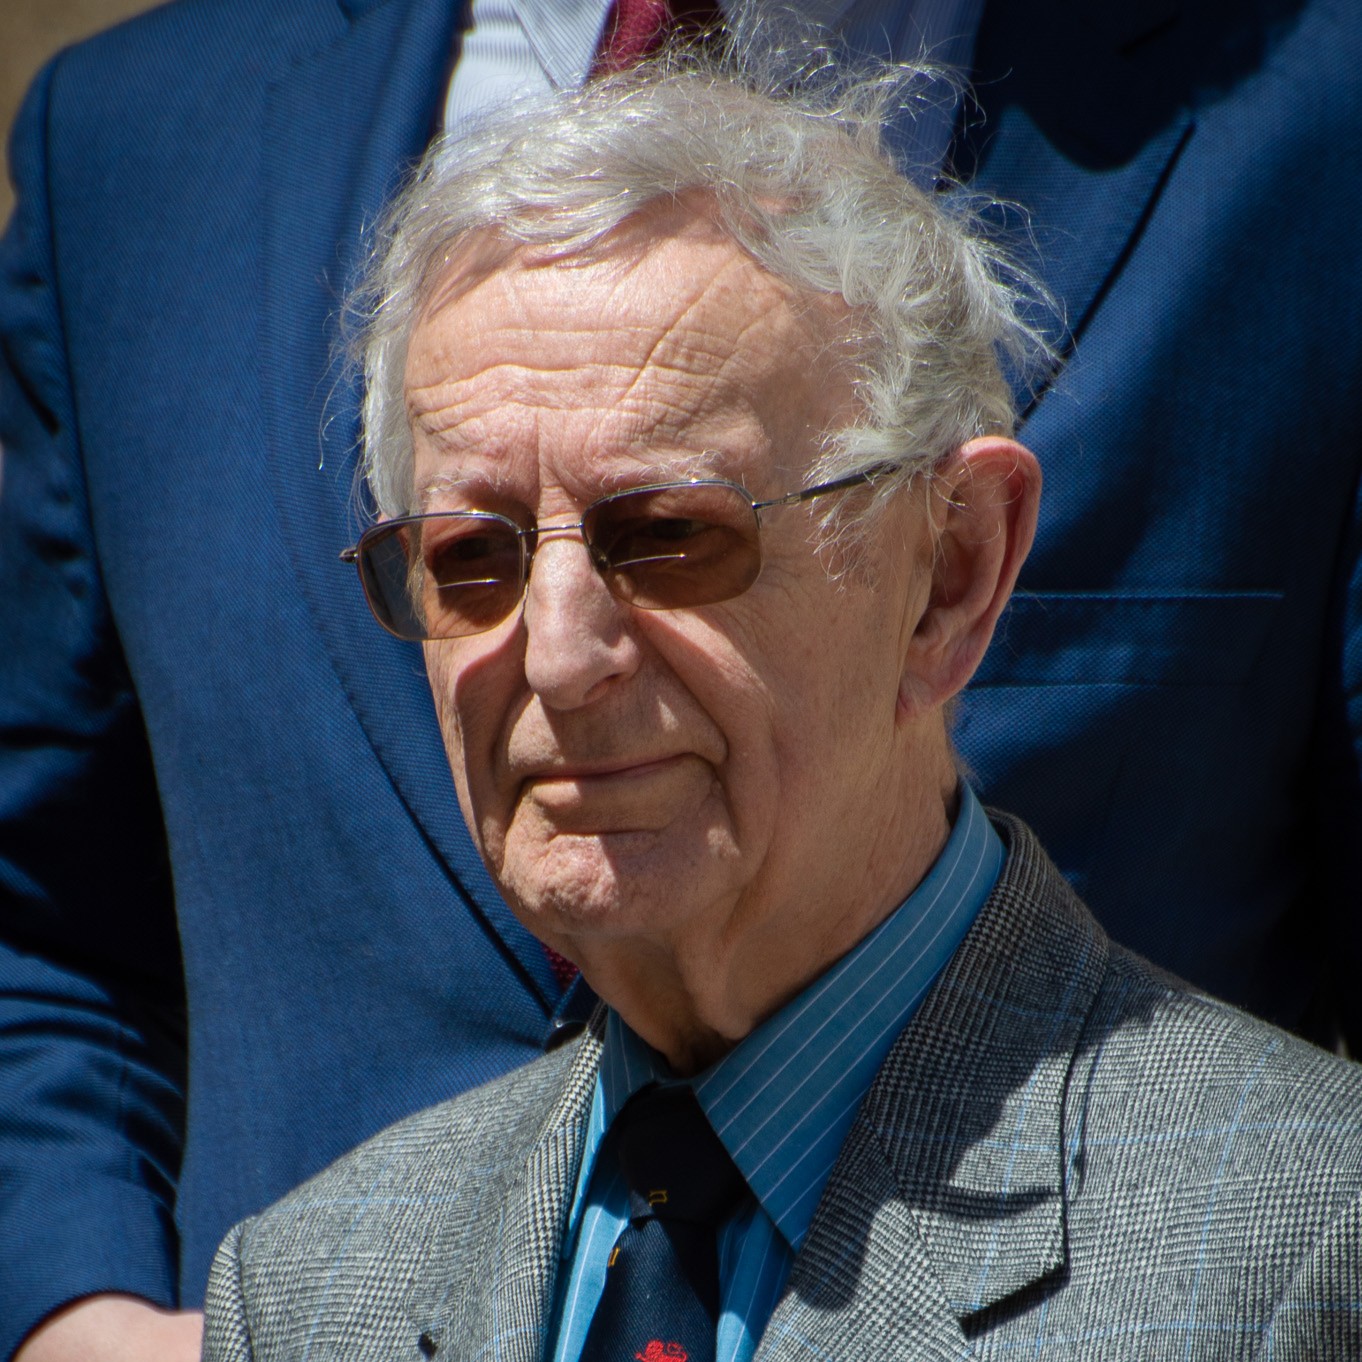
x,y
637,776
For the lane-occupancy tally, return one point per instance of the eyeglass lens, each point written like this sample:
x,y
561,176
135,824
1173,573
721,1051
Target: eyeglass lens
x,y
452,574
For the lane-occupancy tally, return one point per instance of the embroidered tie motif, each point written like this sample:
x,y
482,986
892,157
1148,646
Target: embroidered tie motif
x,y
657,1351
661,1297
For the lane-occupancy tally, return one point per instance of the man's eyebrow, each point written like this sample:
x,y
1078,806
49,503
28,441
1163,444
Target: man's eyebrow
x,y
441,484
679,467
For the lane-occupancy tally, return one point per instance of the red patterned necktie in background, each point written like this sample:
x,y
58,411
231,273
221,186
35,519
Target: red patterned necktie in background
x,y
632,30
564,971
635,28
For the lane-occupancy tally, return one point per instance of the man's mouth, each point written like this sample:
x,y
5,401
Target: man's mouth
x,y
612,769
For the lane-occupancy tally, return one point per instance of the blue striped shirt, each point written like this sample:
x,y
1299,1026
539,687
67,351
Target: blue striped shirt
x,y
782,1101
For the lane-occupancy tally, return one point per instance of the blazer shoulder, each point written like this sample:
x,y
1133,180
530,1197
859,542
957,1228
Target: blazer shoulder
x,y
1137,985
422,1181
505,1116
1165,1068
344,1265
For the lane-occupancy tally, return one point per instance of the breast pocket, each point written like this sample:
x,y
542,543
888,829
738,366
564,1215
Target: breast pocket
x,y
1108,720
1066,638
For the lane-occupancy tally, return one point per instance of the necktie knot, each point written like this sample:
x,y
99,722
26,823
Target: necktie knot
x,y
676,1166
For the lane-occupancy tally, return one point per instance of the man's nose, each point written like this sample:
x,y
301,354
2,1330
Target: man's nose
x,y
578,639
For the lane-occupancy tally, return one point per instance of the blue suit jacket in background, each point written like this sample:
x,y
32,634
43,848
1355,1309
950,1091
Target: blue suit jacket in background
x,y
222,785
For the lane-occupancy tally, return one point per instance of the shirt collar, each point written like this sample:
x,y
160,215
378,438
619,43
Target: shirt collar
x,y
564,35
784,1099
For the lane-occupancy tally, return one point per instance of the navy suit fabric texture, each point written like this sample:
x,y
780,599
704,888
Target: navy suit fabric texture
x,y
231,861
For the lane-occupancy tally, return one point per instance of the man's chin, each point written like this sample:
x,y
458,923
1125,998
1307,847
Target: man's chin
x,y
605,886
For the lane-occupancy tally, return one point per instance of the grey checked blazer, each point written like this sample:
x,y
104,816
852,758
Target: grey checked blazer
x,y
1066,1155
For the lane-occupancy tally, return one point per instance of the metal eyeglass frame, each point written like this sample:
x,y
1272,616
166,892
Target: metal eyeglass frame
x,y
531,537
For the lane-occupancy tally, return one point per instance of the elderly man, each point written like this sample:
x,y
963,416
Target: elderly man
x,y
685,415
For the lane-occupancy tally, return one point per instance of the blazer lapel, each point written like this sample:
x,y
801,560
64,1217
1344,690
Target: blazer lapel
x,y
351,108
503,1309
948,1196
864,1283
1082,110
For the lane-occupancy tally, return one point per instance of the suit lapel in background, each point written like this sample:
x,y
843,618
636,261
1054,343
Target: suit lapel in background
x,y
503,1308
329,166
948,1196
1081,112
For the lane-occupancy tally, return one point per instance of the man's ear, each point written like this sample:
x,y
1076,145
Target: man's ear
x,y
983,511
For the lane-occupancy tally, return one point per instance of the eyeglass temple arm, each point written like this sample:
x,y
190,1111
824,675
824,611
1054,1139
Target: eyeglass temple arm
x,y
866,475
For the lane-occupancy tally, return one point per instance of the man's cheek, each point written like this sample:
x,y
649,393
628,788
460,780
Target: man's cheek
x,y
459,698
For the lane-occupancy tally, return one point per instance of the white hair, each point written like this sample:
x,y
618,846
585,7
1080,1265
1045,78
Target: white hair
x,y
802,180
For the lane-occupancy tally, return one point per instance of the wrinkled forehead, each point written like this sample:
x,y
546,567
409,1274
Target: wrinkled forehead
x,y
666,336
692,218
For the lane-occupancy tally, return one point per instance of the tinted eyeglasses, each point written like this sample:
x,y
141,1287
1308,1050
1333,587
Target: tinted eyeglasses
x,y
449,574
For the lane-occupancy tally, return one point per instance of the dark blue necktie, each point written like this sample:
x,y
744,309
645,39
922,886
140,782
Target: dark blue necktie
x,y
661,1297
